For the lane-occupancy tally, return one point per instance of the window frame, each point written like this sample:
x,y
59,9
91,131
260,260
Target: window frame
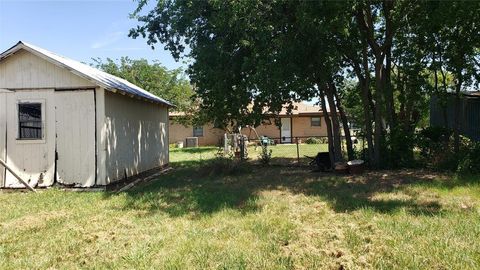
x,y
42,121
196,128
319,121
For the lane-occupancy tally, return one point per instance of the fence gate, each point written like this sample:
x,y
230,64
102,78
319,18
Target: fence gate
x,y
3,133
75,137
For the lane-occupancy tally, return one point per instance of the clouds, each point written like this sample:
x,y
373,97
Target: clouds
x,y
109,39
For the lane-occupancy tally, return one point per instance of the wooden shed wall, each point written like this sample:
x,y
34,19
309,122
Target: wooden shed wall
x,y
136,135
443,115
24,70
3,133
32,78
33,160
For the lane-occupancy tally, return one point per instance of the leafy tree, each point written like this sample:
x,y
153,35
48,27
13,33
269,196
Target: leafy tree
x,y
171,85
251,57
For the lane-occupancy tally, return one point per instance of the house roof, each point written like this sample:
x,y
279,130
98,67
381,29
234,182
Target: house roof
x,y
109,82
299,109
471,94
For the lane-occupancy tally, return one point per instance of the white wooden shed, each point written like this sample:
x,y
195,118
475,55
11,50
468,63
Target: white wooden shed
x,y
65,122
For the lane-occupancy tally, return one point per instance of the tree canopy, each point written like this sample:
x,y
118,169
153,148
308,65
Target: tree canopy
x,y
257,54
171,85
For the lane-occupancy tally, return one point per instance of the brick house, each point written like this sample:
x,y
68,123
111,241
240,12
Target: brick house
x,y
304,121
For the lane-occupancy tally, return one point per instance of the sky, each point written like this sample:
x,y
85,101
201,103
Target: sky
x,y
80,30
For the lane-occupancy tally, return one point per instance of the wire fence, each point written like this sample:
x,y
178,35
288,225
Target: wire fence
x,y
284,151
287,150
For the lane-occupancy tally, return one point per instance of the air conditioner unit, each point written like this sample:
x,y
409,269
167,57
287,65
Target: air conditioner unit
x,y
191,142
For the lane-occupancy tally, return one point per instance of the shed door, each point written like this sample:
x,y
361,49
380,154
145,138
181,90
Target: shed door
x,y
75,137
3,133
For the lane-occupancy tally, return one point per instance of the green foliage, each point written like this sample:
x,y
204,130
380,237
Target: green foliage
x,y
436,148
223,166
312,140
171,85
252,57
469,163
265,155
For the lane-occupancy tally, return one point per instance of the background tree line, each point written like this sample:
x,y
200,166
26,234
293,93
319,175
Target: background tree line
x,y
383,59
172,85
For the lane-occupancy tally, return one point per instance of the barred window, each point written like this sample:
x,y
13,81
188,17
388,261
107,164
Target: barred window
x,y
30,121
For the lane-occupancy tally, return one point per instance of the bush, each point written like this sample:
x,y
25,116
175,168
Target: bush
x,y
470,160
265,155
436,148
223,165
312,140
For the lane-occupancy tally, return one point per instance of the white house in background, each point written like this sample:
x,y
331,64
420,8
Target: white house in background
x,y
66,122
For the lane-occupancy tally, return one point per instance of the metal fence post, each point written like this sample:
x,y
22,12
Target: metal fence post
x,y
225,144
298,150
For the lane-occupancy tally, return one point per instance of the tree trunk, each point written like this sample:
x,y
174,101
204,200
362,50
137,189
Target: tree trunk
x,y
337,141
328,123
362,71
346,128
444,98
378,134
456,130
390,102
367,99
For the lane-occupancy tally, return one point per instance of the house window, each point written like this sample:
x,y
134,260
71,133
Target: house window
x,y
315,122
197,131
30,121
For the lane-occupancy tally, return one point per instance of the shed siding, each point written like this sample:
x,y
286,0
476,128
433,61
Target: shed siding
x,y
24,70
469,115
3,133
32,160
136,136
75,129
101,139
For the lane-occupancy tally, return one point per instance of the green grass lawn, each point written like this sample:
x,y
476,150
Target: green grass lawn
x,y
281,153
255,218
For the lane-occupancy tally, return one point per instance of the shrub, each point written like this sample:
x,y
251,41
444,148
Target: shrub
x,y
436,148
265,155
436,145
470,160
223,165
312,140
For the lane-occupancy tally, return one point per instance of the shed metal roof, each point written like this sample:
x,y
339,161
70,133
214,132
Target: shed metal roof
x,y
103,79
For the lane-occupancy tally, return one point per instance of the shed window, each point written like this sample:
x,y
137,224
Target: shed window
x,y
197,131
30,121
315,121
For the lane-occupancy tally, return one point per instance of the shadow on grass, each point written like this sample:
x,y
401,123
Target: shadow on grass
x,y
196,188
195,150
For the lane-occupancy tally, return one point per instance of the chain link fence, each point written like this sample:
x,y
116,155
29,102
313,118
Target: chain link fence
x,y
285,150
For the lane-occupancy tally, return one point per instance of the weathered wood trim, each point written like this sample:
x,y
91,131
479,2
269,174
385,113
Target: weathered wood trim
x,y
16,176
3,135
101,131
